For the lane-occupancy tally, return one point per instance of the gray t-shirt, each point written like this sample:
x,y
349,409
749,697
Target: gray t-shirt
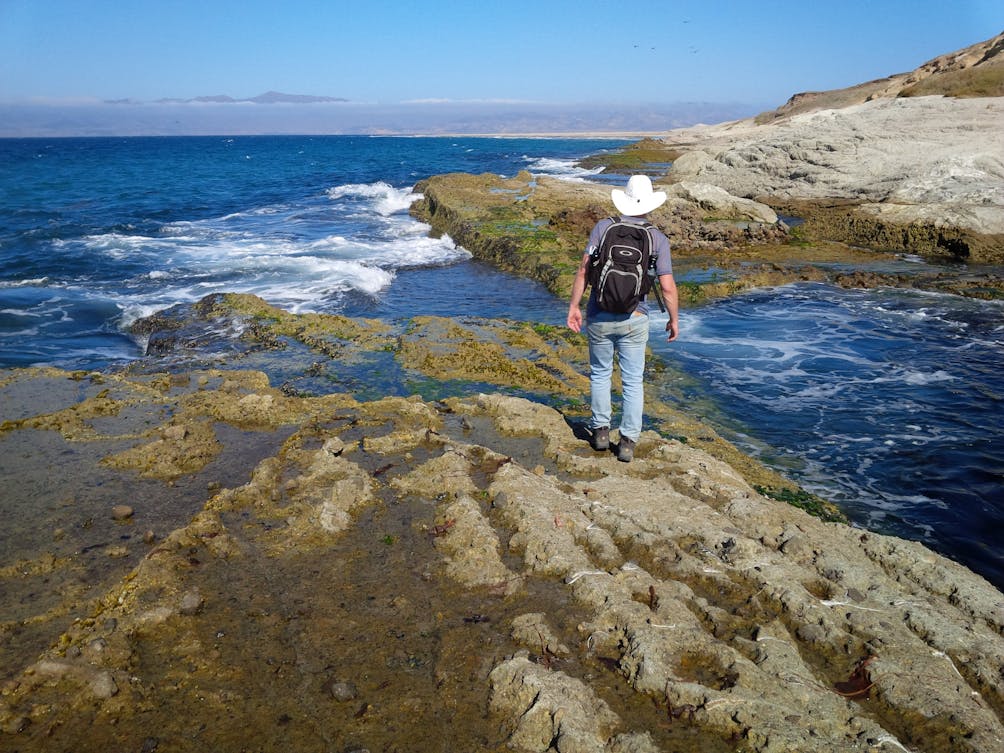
x,y
663,258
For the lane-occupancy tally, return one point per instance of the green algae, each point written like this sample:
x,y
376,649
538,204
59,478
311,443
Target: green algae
x,y
439,358
323,332
640,156
812,504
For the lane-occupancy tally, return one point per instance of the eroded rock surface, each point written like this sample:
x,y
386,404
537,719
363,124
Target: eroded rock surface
x,y
932,162
728,241
481,579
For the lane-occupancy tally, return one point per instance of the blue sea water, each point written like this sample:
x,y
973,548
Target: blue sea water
x,y
95,233
888,402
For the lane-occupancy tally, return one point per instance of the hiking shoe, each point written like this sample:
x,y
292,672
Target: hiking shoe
x,y
625,450
601,438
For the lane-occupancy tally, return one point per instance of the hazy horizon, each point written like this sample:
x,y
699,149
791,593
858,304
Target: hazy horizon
x,y
242,118
406,68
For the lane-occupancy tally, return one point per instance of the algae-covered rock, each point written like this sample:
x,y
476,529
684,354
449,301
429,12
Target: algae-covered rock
x,y
550,709
171,455
538,226
416,572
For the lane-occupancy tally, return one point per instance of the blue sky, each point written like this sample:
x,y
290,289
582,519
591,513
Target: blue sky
x,y
379,51
560,51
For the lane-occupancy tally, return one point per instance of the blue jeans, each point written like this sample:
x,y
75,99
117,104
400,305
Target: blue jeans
x,y
626,336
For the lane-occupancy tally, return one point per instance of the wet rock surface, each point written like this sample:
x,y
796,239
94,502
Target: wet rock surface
x,y
723,242
466,573
537,226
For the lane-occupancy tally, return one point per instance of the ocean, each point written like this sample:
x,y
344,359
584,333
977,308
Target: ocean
x,y
888,402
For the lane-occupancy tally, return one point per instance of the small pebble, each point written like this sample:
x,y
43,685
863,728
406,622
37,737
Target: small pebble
x,y
103,685
334,446
811,633
175,433
122,512
191,602
855,595
342,691
149,537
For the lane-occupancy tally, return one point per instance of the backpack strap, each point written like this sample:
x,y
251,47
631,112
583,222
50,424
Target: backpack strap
x,y
649,227
654,280
596,251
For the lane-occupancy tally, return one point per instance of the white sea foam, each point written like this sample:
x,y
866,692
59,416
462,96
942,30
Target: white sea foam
x,y
284,256
385,198
256,212
270,253
121,247
132,310
34,282
29,332
22,312
921,377
565,169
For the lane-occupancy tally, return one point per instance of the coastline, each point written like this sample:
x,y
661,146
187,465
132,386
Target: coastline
x,y
468,543
468,546
626,135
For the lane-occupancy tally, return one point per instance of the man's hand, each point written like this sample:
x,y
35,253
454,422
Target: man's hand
x,y
574,318
672,299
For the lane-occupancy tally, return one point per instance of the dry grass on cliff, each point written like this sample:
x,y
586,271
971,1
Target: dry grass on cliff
x,y
983,81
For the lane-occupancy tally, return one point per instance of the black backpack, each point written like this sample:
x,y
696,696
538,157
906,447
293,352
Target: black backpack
x,y
622,266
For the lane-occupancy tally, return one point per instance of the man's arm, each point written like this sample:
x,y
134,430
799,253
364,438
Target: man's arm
x,y
669,294
578,288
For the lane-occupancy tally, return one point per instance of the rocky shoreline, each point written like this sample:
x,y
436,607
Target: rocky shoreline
x,y
348,535
324,572
765,229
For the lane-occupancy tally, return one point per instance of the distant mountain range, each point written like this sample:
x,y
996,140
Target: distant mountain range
x,y
268,98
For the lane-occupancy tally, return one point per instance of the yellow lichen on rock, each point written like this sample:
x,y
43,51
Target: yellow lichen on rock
x,y
179,449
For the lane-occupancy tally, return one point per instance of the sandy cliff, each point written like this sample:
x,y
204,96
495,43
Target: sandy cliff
x,y
877,164
974,71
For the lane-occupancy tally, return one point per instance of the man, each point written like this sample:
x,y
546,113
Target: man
x,y
625,334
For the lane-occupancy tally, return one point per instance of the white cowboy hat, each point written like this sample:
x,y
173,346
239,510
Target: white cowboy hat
x,y
638,197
